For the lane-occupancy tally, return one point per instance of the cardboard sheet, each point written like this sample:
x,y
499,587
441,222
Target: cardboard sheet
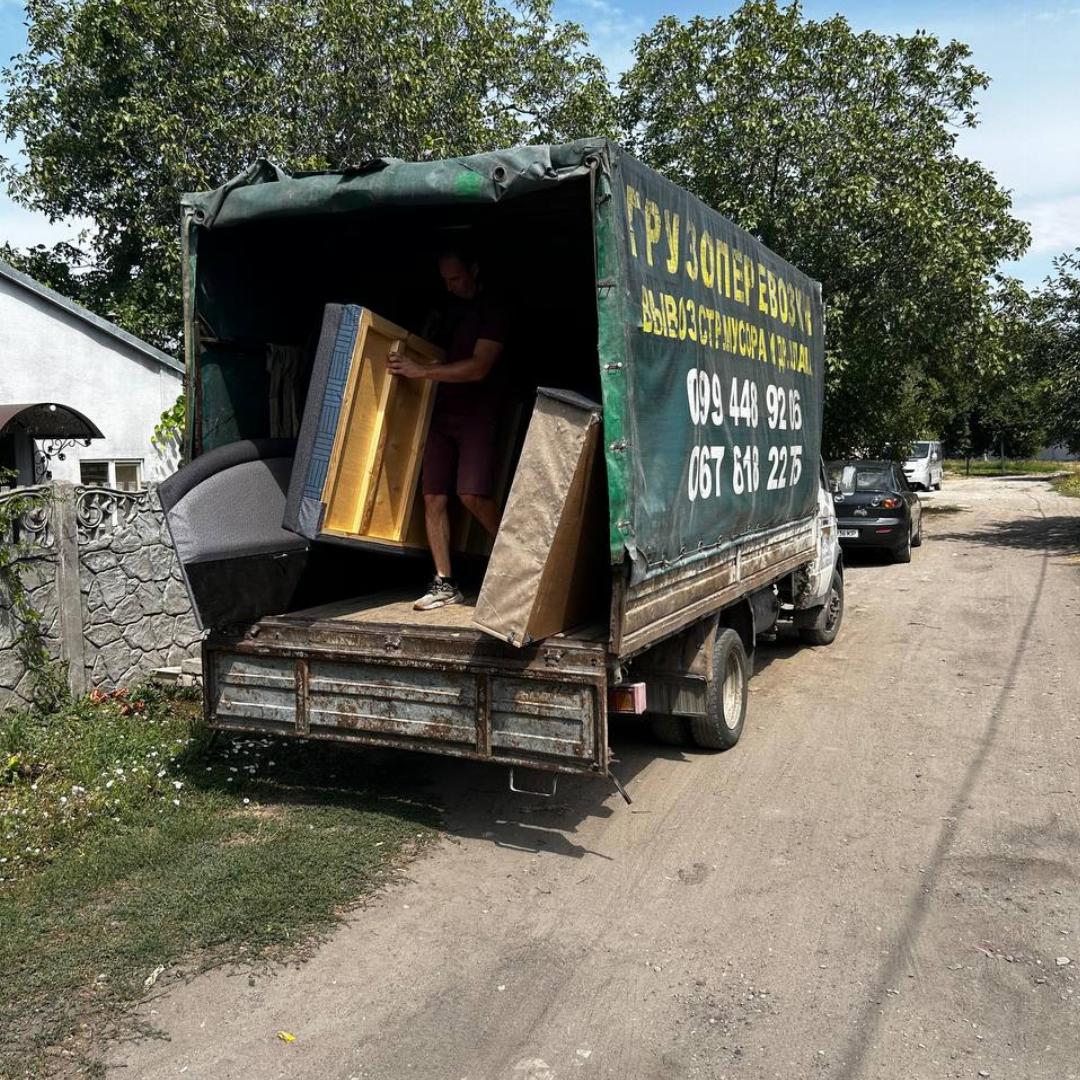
x,y
548,567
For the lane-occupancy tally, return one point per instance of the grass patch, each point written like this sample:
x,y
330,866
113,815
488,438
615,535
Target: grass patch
x,y
1012,467
1068,485
128,844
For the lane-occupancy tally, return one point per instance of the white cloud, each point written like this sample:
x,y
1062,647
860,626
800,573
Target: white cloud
x,y
22,228
1055,224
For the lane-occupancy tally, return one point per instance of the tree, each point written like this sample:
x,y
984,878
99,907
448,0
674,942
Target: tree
x,y
838,150
122,106
1059,350
1006,412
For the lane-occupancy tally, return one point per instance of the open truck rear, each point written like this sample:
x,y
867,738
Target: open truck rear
x,y
703,352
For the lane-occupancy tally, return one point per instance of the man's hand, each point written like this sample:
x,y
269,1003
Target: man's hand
x,y
400,364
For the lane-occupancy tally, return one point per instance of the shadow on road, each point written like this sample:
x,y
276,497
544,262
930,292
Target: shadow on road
x,y
868,556
1029,533
1058,535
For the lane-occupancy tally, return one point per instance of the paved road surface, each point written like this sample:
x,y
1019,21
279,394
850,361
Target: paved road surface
x,y
877,882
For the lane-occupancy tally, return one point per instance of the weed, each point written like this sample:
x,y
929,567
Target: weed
x,y
127,842
1068,485
1010,467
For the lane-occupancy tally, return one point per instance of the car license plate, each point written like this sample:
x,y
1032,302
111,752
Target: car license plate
x,y
849,534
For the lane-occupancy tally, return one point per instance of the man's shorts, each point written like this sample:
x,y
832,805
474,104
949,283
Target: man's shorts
x,y
460,456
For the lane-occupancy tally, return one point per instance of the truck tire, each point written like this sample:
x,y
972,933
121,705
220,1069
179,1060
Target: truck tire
x,y
725,698
669,730
823,630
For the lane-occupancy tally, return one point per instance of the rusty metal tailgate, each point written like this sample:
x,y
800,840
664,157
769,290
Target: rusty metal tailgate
x,y
446,690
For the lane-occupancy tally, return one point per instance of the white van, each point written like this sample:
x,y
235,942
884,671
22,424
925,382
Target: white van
x,y
924,467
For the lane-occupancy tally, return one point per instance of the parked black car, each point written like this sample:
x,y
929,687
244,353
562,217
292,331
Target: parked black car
x,y
875,507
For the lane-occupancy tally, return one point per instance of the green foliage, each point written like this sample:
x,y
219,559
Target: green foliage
x,y
1005,407
121,107
129,842
169,430
837,149
1057,311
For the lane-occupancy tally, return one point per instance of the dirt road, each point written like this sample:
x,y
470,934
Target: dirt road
x,y
881,880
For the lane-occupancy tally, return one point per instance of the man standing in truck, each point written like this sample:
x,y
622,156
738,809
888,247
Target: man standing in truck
x,y
459,457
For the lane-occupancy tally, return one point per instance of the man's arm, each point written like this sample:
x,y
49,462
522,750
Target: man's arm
x,y
473,369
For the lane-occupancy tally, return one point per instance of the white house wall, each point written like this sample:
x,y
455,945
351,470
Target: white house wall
x,y
49,354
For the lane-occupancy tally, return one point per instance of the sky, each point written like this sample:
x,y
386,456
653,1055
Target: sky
x,y
1029,133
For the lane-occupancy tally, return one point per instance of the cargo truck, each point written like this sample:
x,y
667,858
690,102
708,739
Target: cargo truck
x,y
696,352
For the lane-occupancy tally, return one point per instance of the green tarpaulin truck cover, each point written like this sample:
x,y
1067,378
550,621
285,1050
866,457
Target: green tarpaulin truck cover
x,y
711,347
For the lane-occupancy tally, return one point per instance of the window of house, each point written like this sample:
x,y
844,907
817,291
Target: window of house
x,y
124,475
94,473
127,475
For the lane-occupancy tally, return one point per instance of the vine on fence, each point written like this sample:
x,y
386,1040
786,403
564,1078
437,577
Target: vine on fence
x,y
48,685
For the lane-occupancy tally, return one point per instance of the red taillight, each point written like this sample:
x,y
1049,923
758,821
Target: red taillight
x,y
627,698
890,503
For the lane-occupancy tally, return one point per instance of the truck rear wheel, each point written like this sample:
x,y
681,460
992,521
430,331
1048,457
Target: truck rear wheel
x,y
725,699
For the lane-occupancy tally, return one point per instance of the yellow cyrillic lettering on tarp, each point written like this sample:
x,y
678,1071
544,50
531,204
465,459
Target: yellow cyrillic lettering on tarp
x,y
762,289
748,279
691,263
682,318
705,324
633,202
723,268
791,301
762,355
652,229
707,260
691,320
671,229
646,310
671,315
731,334
774,309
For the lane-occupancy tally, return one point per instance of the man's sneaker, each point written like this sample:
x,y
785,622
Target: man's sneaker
x,y
442,593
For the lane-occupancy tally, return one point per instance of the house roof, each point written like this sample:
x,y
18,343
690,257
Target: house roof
x,y
11,274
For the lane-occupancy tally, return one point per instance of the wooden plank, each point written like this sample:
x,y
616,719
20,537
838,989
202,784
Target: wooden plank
x,y
396,497
376,450
374,468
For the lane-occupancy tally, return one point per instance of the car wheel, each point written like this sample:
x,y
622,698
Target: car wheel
x,y
903,554
725,698
669,730
916,540
826,626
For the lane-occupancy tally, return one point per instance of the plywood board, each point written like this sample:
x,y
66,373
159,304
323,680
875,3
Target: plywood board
x,y
547,568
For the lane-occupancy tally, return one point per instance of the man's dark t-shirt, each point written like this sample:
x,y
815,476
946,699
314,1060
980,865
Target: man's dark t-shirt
x,y
464,323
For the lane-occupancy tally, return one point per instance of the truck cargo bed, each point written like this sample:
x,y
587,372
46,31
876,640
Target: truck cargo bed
x,y
371,670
